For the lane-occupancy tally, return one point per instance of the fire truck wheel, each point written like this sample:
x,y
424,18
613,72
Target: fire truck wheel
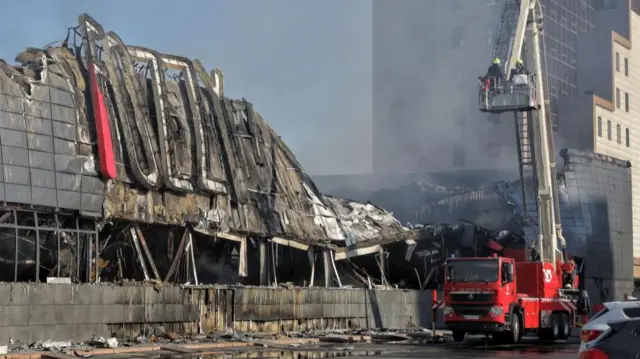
x,y
555,326
515,333
458,336
565,326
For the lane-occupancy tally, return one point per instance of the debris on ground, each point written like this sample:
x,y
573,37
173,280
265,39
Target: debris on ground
x,y
159,336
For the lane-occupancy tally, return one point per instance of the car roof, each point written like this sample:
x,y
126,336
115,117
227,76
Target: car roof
x,y
622,304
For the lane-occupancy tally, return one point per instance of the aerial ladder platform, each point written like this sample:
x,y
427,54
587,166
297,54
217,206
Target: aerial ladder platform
x,y
525,96
518,290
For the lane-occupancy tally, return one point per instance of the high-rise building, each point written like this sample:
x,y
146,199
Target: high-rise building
x,y
564,21
604,115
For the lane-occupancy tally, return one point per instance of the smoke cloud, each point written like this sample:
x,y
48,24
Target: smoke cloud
x,y
353,87
426,59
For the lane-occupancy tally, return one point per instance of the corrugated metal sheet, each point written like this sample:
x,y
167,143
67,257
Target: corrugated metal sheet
x,y
295,309
266,304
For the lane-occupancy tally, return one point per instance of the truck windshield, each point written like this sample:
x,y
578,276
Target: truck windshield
x,y
473,271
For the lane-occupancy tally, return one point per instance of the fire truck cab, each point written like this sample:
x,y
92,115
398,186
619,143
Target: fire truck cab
x,y
505,298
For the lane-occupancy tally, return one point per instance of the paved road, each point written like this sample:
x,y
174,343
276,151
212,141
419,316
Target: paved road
x,y
474,348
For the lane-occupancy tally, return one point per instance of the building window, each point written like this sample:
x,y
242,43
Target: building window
x,y
456,37
626,101
599,126
627,136
617,62
626,66
609,130
619,133
617,97
459,156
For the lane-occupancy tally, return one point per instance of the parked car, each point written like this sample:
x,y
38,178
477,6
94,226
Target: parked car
x,y
620,341
598,326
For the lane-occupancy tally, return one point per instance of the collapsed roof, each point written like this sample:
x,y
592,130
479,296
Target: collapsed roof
x,y
122,132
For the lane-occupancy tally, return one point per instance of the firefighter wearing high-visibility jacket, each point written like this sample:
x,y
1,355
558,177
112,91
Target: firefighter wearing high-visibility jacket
x,y
568,273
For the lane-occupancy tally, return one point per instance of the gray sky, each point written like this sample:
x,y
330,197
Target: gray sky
x,y
305,65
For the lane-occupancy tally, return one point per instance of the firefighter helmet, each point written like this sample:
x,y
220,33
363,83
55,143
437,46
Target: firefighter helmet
x,y
496,61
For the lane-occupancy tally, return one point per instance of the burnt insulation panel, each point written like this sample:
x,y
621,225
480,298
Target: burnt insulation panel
x,y
42,145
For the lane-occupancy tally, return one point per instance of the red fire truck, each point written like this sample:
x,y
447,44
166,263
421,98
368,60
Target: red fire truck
x,y
519,290
507,297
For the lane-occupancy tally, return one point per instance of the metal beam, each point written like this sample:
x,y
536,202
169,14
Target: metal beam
x,y
136,245
35,220
143,243
49,229
350,253
178,256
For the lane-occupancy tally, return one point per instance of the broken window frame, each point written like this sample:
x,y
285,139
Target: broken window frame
x,y
40,225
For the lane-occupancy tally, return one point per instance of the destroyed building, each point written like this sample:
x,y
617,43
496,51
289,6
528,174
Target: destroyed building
x,y
123,163
595,209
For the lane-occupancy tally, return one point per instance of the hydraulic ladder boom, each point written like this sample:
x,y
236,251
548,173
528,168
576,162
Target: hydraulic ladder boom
x,y
526,97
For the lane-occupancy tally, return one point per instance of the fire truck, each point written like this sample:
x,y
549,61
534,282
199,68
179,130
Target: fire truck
x,y
520,290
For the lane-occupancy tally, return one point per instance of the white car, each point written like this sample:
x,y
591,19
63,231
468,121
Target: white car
x,y
598,325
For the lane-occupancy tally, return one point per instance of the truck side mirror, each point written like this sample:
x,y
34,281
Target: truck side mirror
x,y
507,273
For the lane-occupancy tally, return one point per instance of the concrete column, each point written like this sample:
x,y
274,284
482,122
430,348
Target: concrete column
x,y
311,254
264,262
243,270
383,266
328,270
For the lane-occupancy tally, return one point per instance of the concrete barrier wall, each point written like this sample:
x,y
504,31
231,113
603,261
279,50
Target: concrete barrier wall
x,y
31,312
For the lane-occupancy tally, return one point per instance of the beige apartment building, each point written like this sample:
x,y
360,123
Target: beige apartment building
x,y
609,79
